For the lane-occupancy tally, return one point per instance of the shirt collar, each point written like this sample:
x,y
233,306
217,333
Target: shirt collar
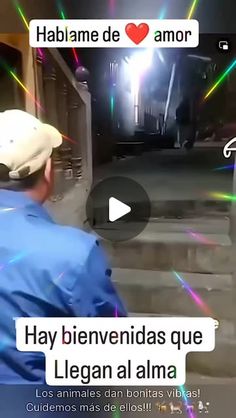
x,y
10,200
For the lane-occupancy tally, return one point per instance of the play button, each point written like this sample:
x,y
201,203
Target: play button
x,y
118,209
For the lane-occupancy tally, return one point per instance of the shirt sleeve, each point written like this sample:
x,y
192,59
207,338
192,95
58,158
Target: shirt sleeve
x,y
93,294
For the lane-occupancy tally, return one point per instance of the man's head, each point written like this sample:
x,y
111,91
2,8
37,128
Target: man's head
x,y
26,146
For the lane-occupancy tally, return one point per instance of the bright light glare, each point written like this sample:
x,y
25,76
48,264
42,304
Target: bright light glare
x,y
206,59
139,63
161,57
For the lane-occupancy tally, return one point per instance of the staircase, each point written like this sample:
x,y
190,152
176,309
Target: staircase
x,y
148,271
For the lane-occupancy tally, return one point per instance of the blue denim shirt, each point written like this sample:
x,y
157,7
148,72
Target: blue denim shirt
x,y
46,270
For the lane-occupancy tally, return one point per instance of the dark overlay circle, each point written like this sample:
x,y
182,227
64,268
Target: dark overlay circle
x,y
126,191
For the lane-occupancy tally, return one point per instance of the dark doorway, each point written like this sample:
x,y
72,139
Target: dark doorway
x,y
11,95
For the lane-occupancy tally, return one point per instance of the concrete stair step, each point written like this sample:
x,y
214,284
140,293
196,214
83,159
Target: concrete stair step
x,y
212,253
155,292
226,330
170,209
221,361
204,225
167,279
190,208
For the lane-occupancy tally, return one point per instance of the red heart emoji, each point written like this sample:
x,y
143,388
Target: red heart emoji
x,y
137,33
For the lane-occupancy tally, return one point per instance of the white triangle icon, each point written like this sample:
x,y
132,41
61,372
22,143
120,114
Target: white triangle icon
x,y
117,209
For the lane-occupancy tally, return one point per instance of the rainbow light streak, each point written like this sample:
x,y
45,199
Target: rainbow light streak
x,y
32,97
116,312
163,13
75,55
37,103
112,7
112,105
18,257
162,16
195,297
55,282
21,14
62,14
192,9
116,413
7,209
200,238
58,278
26,90
221,79
223,196
40,52
225,167
4,345
68,139
188,409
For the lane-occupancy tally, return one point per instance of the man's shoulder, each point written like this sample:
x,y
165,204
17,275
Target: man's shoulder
x,y
69,241
72,235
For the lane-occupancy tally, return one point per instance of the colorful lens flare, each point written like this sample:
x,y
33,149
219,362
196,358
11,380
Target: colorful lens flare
x,y
192,9
37,103
225,167
200,238
62,14
21,13
112,105
75,55
25,89
112,7
15,259
195,297
54,283
223,196
116,413
40,52
221,79
68,139
14,76
6,210
186,402
163,13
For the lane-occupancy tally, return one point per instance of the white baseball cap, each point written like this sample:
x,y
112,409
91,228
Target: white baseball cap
x,y
25,143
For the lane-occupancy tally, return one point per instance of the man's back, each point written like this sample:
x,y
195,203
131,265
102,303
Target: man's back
x,y
46,270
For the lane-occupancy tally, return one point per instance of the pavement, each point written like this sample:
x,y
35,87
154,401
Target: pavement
x,y
175,174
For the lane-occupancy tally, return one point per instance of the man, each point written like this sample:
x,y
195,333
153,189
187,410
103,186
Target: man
x,y
185,125
46,270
